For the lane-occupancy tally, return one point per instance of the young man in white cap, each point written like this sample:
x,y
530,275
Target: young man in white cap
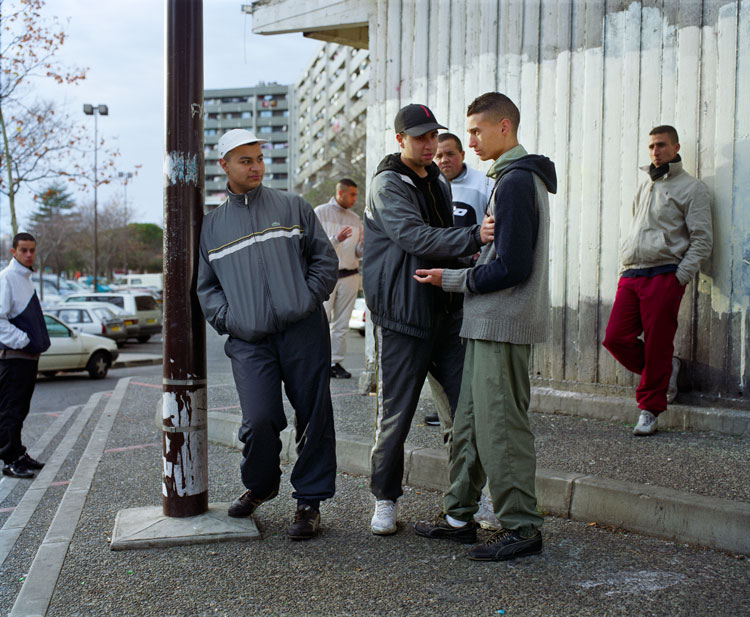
x,y
409,225
266,266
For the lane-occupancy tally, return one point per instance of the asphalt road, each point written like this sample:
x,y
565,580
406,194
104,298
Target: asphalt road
x,y
54,394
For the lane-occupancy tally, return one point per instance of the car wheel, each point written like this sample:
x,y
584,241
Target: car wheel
x,y
361,332
98,365
144,338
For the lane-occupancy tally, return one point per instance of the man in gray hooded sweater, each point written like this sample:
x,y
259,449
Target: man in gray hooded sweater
x,y
506,303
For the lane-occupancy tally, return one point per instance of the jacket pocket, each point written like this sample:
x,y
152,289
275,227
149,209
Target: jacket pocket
x,y
652,246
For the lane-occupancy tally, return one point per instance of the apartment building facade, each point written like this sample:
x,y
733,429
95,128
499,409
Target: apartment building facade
x,y
330,112
265,110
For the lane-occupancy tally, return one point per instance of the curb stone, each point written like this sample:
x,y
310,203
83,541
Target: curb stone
x,y
674,515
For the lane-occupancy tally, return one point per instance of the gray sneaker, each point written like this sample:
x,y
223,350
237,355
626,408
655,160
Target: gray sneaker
x,y
646,424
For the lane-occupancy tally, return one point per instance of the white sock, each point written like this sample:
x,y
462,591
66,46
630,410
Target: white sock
x,y
454,522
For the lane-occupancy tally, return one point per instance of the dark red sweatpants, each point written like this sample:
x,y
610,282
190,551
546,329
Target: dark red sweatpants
x,y
647,305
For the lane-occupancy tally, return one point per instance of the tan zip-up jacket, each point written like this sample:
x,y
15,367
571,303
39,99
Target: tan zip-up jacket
x,y
671,224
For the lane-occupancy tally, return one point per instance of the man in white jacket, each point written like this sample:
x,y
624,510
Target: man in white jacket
x,y
346,234
23,337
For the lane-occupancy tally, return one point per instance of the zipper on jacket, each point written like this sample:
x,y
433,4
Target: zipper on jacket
x,y
266,288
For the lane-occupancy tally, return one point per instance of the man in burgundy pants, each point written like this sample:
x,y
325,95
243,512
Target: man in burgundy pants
x,y
670,236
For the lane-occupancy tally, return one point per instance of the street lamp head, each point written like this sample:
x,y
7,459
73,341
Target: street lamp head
x,y
91,110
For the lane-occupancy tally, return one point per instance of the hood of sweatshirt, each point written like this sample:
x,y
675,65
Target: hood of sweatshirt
x,y
393,162
518,158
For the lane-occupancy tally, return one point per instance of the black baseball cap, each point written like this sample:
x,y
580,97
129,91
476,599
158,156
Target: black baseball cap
x,y
416,120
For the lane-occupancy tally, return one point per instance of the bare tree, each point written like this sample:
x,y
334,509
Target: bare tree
x,y
347,160
113,233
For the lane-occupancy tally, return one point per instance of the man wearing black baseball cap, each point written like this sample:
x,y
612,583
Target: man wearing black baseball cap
x,y
409,226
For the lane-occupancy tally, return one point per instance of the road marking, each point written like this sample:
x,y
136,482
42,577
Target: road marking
x,y
146,385
36,592
17,521
125,448
8,484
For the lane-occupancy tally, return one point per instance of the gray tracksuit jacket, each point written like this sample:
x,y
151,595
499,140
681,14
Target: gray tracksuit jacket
x,y
265,263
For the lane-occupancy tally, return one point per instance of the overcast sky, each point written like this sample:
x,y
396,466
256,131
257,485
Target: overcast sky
x,y
122,44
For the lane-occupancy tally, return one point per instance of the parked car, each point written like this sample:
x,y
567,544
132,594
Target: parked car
x,y
142,305
357,319
71,351
92,318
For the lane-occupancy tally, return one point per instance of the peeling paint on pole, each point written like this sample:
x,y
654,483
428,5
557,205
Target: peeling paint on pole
x,y
184,416
181,168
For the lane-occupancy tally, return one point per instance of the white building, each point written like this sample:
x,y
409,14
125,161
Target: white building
x,y
331,99
591,79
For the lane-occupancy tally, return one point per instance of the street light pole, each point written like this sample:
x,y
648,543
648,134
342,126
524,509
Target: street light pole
x,y
96,110
126,176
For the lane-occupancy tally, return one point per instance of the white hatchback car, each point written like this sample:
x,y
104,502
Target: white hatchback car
x,y
75,351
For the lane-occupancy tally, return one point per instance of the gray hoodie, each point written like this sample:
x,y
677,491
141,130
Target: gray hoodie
x,y
265,263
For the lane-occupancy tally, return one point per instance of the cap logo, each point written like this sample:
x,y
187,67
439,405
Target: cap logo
x,y
426,111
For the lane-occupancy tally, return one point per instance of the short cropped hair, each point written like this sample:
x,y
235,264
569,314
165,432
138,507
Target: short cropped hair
x,y
346,182
497,106
446,136
669,130
23,237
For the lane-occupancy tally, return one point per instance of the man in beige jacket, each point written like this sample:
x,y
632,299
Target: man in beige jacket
x,y
670,236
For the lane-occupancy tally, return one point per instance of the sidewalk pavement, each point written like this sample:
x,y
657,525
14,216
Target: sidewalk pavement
x,y
56,531
687,486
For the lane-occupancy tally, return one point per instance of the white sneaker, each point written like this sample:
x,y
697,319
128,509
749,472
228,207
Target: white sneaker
x,y
485,516
646,424
383,522
672,389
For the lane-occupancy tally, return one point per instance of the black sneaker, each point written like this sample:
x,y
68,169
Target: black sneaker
x,y
440,528
246,504
306,523
18,469
504,544
31,463
432,420
339,372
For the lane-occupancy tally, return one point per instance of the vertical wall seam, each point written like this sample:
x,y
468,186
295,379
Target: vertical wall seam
x,y
597,313
564,350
